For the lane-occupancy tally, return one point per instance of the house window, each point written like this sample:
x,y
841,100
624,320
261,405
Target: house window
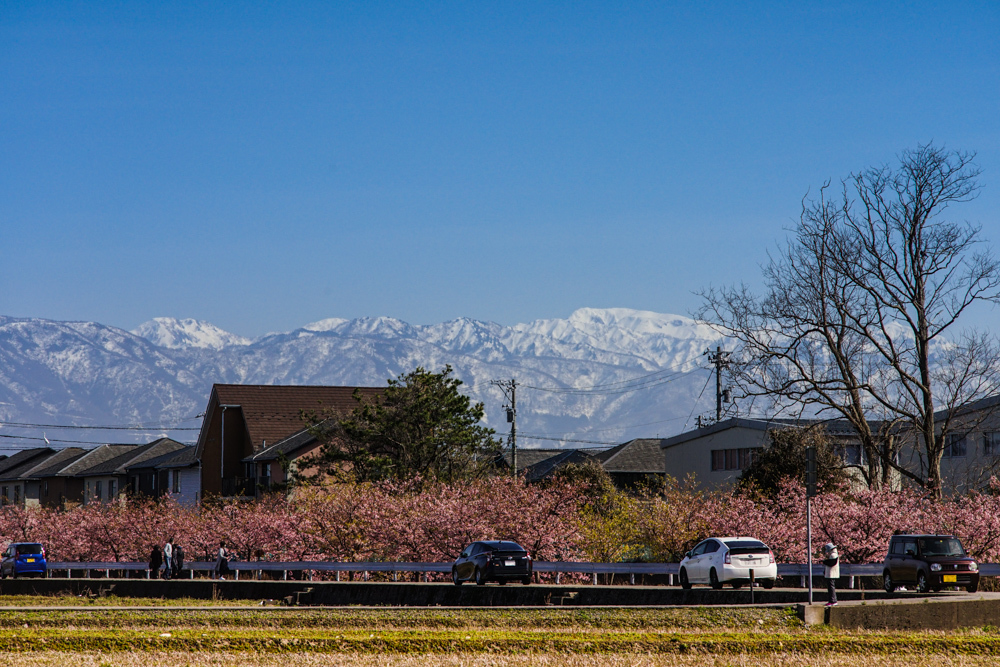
x,y
87,496
97,489
954,446
4,496
991,443
111,490
267,470
45,487
738,458
17,495
849,454
176,487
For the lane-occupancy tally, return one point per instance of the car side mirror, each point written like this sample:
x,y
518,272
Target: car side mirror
x,y
687,555
465,554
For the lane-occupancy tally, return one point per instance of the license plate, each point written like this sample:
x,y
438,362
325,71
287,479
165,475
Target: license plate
x,y
509,563
31,560
950,578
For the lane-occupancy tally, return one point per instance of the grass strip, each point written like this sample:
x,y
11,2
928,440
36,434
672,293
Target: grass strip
x,y
498,642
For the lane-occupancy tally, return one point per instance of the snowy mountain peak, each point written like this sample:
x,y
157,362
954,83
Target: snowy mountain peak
x,y
328,324
179,334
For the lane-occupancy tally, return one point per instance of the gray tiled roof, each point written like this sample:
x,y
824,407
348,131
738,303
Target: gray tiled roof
x,y
18,459
181,458
54,463
285,447
118,464
94,458
641,455
542,469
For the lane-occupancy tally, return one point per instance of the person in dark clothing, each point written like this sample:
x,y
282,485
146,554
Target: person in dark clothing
x,y
155,561
831,570
178,559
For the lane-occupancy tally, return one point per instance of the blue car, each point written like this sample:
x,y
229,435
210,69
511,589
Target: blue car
x,y
23,559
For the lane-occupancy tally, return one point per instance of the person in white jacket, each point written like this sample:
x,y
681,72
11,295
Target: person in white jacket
x,y
831,571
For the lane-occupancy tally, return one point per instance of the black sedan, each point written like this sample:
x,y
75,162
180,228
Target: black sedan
x,y
497,560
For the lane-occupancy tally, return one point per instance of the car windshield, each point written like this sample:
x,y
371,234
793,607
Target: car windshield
x,y
29,548
941,546
508,546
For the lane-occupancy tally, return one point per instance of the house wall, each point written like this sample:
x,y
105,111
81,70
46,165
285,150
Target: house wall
x,y
237,446
187,489
968,471
90,486
695,455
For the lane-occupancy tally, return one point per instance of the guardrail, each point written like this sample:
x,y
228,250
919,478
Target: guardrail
x,y
801,570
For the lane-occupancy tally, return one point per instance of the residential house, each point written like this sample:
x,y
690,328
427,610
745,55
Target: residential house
x,y
634,463
43,486
178,472
13,467
275,465
108,478
243,420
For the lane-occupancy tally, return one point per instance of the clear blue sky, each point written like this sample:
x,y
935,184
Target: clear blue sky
x,y
263,165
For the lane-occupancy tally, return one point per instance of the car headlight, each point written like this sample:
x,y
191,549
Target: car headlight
x,y
974,566
935,567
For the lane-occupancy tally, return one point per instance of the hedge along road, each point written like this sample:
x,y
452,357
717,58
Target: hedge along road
x,y
665,632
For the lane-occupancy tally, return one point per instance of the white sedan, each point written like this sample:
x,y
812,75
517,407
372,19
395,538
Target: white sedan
x,y
720,560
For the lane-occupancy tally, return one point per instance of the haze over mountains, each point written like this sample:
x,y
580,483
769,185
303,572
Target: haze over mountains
x,y
604,375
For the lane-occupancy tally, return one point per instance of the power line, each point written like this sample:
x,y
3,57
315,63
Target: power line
x,y
116,427
74,442
593,442
623,386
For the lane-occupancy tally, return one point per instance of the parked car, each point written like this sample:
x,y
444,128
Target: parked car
x,y
929,562
500,561
720,560
23,558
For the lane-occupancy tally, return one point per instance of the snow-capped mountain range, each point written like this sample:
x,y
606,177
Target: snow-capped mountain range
x,y
602,375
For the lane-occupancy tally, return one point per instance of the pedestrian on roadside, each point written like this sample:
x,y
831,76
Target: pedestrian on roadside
x,y
155,561
178,560
222,562
831,570
168,556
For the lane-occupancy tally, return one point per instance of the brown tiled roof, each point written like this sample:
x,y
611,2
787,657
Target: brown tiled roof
x,y
273,412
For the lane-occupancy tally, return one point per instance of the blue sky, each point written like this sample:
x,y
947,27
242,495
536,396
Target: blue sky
x,y
264,165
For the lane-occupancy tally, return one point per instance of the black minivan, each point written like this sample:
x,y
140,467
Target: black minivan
x,y
929,562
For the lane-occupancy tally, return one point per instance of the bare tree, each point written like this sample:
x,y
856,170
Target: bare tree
x,y
856,305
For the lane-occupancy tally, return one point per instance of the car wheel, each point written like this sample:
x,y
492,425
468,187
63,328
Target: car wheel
x,y
713,579
480,579
685,584
526,581
973,587
887,582
767,583
454,577
922,582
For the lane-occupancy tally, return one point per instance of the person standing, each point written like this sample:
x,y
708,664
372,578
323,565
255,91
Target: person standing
x,y
222,562
831,571
155,561
168,555
178,560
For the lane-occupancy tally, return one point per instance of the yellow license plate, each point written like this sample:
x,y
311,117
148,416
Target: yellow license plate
x,y
31,560
949,578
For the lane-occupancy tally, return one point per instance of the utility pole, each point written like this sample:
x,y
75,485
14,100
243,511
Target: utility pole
x,y
509,389
720,360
